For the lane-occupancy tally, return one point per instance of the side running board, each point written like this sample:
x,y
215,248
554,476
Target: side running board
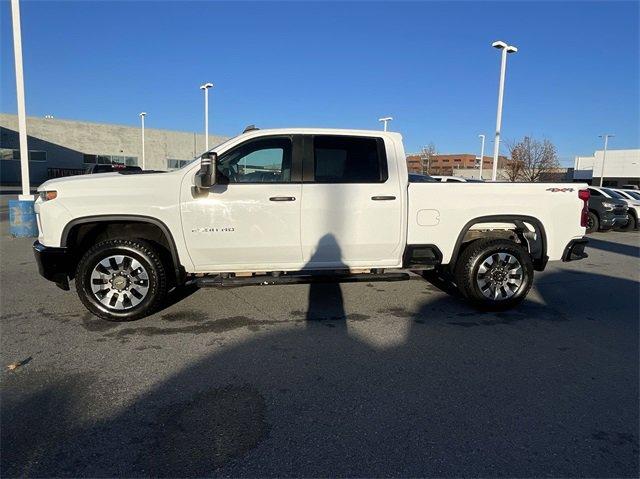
x,y
296,278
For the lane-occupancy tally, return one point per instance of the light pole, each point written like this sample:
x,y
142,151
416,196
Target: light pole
x,y
385,120
206,87
606,137
142,115
503,67
481,154
22,114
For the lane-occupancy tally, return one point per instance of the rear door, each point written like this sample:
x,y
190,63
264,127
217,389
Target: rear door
x,y
250,219
351,203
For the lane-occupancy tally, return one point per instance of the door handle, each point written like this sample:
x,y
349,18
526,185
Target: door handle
x,y
383,198
282,198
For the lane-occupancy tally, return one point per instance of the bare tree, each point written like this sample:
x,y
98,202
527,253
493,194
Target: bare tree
x,y
426,154
513,170
531,159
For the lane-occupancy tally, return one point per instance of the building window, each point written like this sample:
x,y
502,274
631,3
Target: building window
x,y
109,160
176,164
34,155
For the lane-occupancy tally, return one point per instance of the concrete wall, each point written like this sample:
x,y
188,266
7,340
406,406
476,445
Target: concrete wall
x,y
620,166
66,142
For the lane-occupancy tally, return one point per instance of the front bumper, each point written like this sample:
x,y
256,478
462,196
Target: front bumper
x,y
610,220
575,250
54,264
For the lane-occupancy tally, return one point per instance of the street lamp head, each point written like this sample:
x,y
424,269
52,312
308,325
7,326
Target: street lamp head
x,y
502,45
142,113
386,118
610,135
206,85
480,136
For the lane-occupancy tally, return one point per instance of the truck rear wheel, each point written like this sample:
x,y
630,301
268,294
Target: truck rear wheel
x,y
494,274
121,280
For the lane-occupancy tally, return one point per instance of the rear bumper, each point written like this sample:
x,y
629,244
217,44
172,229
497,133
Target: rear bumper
x,y
575,250
54,264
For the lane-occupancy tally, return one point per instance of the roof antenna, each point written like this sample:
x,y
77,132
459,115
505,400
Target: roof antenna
x,y
250,128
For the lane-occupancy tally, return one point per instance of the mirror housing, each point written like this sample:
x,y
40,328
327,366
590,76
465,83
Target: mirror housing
x,y
206,176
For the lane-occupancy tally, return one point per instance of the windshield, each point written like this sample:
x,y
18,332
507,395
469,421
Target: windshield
x,y
210,149
613,194
634,194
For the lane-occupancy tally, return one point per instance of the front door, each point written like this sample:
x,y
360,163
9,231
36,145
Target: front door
x,y
250,219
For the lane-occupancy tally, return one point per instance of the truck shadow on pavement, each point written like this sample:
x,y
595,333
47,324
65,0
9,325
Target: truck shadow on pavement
x,y
462,393
612,247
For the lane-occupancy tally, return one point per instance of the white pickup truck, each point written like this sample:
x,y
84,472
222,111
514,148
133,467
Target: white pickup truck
x,y
298,206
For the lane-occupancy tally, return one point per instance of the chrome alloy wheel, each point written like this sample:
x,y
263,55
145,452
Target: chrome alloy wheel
x,y
500,276
119,282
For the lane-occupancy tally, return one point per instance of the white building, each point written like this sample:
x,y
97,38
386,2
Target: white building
x,y
621,167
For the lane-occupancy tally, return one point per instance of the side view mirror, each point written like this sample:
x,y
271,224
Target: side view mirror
x,y
206,176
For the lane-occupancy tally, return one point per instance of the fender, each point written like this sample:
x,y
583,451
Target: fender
x,y
537,245
179,270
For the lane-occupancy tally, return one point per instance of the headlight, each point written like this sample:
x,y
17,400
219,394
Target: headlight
x,y
606,204
48,195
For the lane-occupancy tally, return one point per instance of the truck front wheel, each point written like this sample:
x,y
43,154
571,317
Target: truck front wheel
x,y
121,280
494,274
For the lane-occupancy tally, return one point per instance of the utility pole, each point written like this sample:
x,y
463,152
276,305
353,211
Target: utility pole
x,y
606,137
503,68
481,154
385,120
206,87
142,115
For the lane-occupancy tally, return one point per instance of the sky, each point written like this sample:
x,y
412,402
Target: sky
x,y
429,65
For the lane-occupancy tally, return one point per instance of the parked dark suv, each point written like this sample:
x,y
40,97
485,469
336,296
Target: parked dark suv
x,y
605,212
110,168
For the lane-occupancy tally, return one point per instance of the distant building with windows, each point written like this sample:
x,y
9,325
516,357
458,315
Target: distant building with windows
x,y
66,147
451,164
621,167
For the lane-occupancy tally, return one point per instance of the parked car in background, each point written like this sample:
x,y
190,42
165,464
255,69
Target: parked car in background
x,y
418,178
635,194
455,179
110,168
605,211
630,187
633,202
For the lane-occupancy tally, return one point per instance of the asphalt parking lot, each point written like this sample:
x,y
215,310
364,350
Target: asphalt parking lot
x,y
379,379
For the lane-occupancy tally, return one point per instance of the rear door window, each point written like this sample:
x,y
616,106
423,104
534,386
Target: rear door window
x,y
345,159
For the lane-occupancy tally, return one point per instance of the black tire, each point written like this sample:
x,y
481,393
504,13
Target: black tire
x,y
153,283
469,276
593,224
631,224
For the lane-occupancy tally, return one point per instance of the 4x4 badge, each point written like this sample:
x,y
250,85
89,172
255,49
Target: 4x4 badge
x,y
559,190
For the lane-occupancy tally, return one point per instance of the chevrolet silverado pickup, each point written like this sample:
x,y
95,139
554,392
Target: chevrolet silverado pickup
x,y
298,206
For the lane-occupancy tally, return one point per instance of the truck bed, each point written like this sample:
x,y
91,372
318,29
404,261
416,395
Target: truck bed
x,y
438,213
